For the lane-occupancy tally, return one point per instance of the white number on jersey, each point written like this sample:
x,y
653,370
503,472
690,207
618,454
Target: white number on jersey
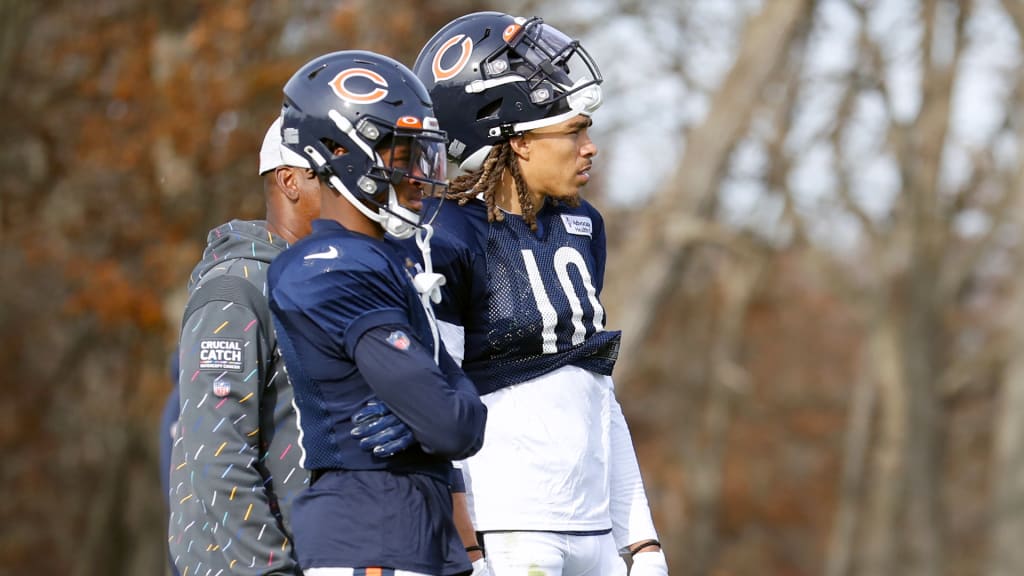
x,y
564,257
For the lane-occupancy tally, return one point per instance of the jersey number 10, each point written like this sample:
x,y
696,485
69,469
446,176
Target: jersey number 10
x,y
564,257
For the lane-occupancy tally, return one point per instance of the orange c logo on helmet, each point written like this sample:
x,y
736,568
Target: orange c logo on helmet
x,y
379,91
466,46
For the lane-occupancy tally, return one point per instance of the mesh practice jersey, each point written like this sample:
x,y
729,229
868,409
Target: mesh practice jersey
x,y
528,301
524,308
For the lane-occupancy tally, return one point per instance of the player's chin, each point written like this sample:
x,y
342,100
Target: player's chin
x,y
412,201
579,183
572,188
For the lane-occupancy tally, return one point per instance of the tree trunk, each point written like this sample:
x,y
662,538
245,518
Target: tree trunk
x,y
922,161
886,492
652,256
840,554
738,283
1006,554
1007,546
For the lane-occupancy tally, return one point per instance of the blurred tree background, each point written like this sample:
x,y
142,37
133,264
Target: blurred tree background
x,y
814,210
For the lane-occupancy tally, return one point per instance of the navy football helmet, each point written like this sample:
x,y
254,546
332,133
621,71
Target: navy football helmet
x,y
492,76
361,101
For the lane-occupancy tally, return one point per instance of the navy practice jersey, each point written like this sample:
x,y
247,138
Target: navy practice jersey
x,y
327,292
352,328
528,301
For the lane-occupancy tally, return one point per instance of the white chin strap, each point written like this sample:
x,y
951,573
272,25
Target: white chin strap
x,y
396,219
428,283
390,218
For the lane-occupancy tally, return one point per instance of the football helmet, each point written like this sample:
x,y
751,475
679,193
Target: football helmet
x,y
363,102
492,76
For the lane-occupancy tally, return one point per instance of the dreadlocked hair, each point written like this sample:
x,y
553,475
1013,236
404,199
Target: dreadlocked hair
x,y
486,181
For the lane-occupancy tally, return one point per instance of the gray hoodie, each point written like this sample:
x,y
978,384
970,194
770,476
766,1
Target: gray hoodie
x,y
235,467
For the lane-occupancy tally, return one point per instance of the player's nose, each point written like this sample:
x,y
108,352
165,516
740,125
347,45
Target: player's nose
x,y
589,148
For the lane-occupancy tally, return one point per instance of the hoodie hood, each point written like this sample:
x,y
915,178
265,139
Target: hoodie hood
x,y
248,239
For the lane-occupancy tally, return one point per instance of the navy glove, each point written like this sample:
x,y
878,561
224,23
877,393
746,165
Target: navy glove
x,y
379,431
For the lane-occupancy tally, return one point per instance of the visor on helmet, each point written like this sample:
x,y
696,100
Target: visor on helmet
x,y
557,67
417,155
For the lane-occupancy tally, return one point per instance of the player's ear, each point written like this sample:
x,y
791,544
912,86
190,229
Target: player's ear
x,y
520,146
288,181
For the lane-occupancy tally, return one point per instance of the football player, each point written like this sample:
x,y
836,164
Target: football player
x,y
556,488
354,321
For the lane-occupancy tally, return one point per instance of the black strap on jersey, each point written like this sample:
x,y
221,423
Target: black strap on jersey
x,y
608,351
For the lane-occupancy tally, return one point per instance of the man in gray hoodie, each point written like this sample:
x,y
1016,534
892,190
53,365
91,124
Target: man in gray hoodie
x,y
236,464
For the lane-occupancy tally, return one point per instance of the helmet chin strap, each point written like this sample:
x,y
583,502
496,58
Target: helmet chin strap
x,y
397,219
381,216
394,218
428,283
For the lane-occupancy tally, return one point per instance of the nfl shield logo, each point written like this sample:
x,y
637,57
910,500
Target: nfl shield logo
x,y
221,388
399,340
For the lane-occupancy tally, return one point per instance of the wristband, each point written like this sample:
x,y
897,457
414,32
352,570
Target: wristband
x,y
646,544
474,548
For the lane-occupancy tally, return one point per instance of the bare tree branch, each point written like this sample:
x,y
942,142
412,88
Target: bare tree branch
x,y
958,270
1008,180
843,118
652,257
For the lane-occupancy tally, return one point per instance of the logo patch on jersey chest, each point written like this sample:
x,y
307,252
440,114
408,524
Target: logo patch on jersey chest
x,y
578,225
220,354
